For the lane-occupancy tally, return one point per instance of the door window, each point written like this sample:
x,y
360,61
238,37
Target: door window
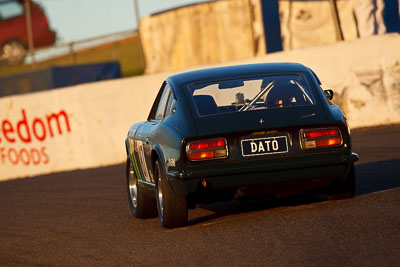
x,y
10,10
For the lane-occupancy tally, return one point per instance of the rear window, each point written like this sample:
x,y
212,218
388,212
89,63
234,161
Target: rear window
x,y
242,95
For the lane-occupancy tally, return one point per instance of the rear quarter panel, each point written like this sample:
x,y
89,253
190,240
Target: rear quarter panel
x,y
13,29
170,134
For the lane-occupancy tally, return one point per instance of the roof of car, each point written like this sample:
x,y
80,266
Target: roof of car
x,y
3,1
235,71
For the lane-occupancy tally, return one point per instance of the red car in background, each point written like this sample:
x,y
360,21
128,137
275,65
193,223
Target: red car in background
x,y
13,31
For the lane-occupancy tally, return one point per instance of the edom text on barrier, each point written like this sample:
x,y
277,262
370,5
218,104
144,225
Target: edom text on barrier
x,y
28,133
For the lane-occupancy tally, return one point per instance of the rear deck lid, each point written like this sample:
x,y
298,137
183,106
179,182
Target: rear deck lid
x,y
259,120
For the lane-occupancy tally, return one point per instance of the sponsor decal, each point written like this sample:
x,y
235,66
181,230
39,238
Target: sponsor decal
x,y
23,141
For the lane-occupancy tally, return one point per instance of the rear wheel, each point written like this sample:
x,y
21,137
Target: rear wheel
x,y
346,188
172,209
141,202
13,52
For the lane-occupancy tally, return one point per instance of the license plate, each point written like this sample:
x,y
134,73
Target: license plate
x,y
264,146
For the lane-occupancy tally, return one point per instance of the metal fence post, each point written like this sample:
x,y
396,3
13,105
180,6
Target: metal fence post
x,y
72,54
29,31
336,20
142,57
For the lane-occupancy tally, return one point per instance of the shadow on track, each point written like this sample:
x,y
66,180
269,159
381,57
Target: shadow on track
x,y
222,209
371,177
377,176
232,207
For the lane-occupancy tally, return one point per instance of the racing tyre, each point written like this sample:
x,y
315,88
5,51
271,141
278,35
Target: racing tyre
x,y
13,52
345,189
172,209
142,203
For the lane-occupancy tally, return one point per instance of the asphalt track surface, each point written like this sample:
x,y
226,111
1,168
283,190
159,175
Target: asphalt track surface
x,y
82,218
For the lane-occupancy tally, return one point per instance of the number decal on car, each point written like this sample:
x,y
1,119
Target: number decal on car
x,y
142,160
134,161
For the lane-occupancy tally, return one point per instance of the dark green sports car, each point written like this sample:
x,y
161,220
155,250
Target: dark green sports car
x,y
238,131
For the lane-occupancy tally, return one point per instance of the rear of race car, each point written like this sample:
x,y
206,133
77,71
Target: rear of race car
x,y
263,135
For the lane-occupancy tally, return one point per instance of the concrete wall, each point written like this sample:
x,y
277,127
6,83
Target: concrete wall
x,y
219,31
310,23
77,127
85,126
204,33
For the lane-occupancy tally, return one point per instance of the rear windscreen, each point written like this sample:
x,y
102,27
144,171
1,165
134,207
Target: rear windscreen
x,y
243,95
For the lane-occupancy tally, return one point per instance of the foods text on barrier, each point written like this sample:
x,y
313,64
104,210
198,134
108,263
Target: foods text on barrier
x,y
31,131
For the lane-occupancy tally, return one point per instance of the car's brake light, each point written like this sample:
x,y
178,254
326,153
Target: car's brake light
x,y
320,138
45,22
207,149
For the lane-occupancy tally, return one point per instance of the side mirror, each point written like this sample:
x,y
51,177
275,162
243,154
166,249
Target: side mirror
x,y
329,93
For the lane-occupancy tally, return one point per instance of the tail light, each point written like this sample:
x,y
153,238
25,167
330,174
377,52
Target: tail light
x,y
207,149
321,138
45,22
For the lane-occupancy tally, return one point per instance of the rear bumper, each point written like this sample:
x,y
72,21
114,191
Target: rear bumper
x,y
302,173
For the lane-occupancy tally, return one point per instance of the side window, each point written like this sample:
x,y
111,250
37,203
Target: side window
x,y
10,10
170,104
163,103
